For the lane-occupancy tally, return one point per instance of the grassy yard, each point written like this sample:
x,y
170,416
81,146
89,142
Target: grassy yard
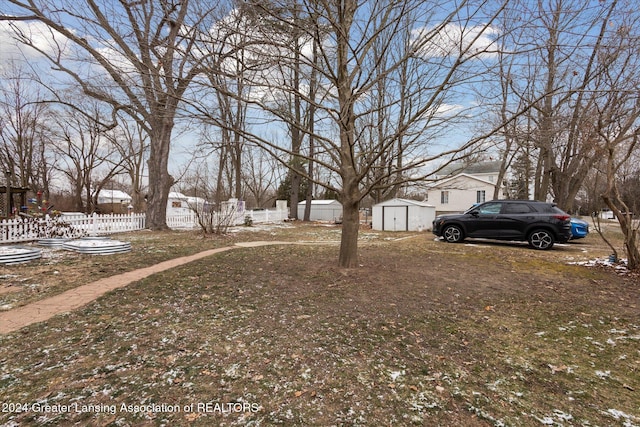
x,y
423,333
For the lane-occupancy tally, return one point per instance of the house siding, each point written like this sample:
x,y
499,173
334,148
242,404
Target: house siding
x,y
462,193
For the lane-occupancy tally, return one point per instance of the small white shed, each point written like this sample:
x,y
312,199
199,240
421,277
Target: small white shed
x,y
322,210
403,215
114,201
179,204
113,196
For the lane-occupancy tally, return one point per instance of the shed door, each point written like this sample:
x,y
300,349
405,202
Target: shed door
x,y
395,218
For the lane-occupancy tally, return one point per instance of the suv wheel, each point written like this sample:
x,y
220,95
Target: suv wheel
x,y
541,239
453,234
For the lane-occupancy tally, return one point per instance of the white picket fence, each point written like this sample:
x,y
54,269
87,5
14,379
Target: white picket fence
x,y
74,225
189,220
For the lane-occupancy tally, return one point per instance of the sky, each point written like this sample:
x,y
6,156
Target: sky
x,y
185,139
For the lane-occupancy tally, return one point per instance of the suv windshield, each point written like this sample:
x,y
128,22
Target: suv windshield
x,y
475,205
485,209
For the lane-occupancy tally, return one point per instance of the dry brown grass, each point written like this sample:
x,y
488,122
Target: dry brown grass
x,y
423,333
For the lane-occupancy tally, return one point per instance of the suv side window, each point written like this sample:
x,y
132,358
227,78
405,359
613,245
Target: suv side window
x,y
517,208
490,209
551,209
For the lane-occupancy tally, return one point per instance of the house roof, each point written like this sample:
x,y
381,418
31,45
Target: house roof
x,y
492,166
444,182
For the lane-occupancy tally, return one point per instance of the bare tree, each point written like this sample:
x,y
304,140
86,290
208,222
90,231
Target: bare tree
x,y
558,62
576,63
131,143
135,56
614,200
86,158
215,146
261,173
618,126
629,178
24,132
232,145
227,68
358,45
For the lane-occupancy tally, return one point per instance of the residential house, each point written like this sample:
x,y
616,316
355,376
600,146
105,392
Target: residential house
x,y
460,186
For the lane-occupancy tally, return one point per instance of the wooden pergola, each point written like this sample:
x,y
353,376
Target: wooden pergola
x,y
7,199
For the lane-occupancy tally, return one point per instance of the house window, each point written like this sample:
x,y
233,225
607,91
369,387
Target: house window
x,y
444,197
480,196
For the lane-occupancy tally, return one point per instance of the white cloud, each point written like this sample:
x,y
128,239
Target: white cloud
x,y
41,36
452,39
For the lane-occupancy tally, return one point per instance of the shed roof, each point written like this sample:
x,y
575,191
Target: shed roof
x,y
322,202
403,202
177,195
113,194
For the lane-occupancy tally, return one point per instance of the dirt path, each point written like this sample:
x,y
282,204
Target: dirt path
x,y
39,311
72,299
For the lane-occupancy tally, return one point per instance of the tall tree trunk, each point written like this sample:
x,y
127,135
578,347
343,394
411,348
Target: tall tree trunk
x,y
629,232
160,181
237,161
78,198
307,206
309,198
311,120
350,226
350,194
238,144
350,198
295,194
613,200
219,196
537,178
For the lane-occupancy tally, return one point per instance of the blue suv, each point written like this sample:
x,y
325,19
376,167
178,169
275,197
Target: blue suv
x,y
539,223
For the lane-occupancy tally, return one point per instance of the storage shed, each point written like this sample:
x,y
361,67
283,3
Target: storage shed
x,y
113,196
403,215
179,204
114,201
322,210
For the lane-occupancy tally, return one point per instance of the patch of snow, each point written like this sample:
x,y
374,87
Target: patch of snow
x,y
617,414
562,415
395,375
620,267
